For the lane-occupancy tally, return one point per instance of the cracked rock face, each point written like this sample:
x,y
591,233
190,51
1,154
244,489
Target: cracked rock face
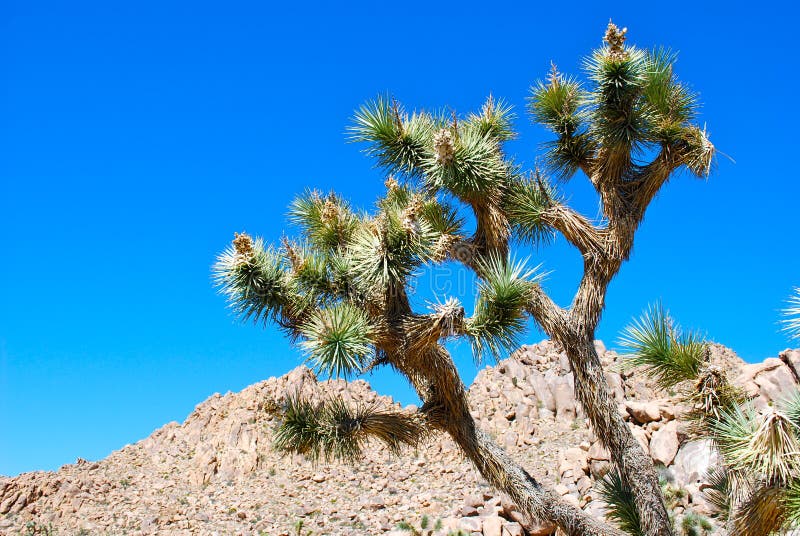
x,y
216,473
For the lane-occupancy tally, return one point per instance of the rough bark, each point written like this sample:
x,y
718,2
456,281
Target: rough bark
x,y
604,251
636,467
538,501
436,379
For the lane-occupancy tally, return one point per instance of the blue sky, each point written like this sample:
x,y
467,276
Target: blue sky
x,y
136,140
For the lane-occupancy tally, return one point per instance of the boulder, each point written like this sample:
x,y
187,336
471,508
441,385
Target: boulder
x,y
775,384
643,412
564,399
542,390
664,443
492,526
693,461
471,524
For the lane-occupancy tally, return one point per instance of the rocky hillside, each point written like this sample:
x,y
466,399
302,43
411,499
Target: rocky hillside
x,y
217,474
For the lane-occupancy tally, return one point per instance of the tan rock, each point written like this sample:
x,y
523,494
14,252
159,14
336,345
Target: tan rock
x,y
512,528
643,412
693,461
664,443
492,526
472,524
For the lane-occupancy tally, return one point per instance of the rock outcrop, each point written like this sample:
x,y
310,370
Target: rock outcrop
x,y
217,473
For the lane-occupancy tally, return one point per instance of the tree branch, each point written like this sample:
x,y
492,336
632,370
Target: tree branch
x,y
650,178
576,228
550,317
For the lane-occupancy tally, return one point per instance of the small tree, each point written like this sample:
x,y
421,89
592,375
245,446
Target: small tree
x,y
342,288
756,487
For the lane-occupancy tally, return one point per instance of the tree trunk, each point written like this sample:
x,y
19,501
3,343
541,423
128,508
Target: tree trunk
x,y
536,501
635,466
436,380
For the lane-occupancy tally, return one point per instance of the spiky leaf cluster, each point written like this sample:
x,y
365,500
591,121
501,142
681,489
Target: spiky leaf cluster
x,y
634,102
791,321
755,488
338,339
621,508
526,203
558,104
332,430
325,220
255,281
680,360
669,356
398,141
500,307
764,445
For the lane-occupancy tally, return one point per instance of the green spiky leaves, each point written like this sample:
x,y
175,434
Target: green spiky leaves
x,y
681,360
656,343
460,157
621,506
765,445
719,491
633,104
332,430
791,321
557,104
326,221
466,163
499,316
526,203
398,141
385,252
254,280
495,120
668,103
338,339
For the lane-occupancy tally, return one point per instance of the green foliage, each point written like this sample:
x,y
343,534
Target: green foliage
x,y
499,315
791,503
762,445
557,104
495,120
425,528
693,524
338,339
254,282
326,222
398,142
791,322
333,431
656,343
634,102
32,528
298,528
525,204
621,506
387,249
719,492
468,164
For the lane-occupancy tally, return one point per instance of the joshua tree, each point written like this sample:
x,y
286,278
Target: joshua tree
x,y
756,488
342,288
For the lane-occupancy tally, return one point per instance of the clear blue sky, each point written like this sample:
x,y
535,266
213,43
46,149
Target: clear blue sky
x,y
135,140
